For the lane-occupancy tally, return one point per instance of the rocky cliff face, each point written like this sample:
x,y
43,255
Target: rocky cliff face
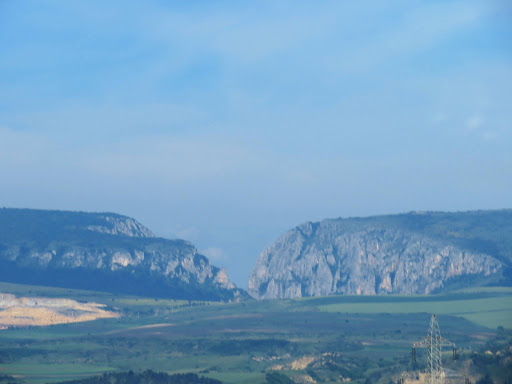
x,y
107,252
407,254
121,225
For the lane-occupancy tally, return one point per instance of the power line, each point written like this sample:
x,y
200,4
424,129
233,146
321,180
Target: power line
x,y
434,343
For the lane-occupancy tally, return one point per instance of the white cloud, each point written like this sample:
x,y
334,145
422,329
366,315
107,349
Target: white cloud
x,y
214,254
416,31
474,123
490,135
186,233
439,118
246,34
169,158
93,121
476,126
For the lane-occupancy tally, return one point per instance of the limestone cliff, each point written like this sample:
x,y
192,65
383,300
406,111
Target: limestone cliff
x,y
416,253
107,252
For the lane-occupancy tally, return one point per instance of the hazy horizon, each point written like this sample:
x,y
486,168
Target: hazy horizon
x,y
228,123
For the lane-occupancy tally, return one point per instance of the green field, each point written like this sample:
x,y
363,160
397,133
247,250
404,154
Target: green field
x,y
357,337
492,311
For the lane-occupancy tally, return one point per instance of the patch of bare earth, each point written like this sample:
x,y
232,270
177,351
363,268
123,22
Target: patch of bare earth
x,y
140,328
36,311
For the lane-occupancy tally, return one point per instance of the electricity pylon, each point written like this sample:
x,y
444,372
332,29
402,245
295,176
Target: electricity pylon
x,y
433,342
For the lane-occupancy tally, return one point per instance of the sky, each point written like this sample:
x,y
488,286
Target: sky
x,y
227,123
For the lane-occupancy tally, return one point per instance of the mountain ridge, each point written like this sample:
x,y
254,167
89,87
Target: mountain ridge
x,y
104,251
415,252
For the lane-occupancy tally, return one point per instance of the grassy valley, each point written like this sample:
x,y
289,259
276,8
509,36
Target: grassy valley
x,y
364,339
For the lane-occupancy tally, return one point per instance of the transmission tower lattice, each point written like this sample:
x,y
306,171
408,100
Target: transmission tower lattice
x,y
433,342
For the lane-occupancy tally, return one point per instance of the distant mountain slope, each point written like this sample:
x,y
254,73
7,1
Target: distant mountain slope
x,y
107,252
419,252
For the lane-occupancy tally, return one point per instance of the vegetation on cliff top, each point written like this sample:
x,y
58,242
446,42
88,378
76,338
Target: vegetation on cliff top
x,y
104,252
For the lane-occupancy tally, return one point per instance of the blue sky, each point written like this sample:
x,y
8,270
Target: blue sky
x,y
227,123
